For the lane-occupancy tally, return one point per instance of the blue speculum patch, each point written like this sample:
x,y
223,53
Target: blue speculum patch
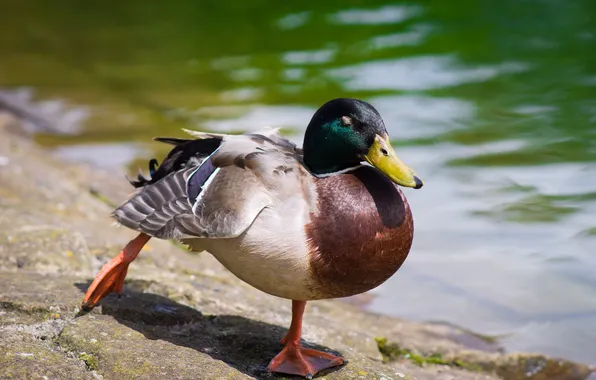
x,y
194,184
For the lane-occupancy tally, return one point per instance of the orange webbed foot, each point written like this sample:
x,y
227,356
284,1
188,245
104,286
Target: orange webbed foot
x,y
111,277
297,360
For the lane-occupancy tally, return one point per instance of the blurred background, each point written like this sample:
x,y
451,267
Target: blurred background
x,y
493,103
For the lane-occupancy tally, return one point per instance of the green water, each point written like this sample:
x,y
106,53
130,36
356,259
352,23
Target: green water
x,y
493,103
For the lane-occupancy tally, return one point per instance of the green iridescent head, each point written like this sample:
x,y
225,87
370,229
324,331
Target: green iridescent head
x,y
345,132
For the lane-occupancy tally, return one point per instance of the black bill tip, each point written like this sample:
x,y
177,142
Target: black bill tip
x,y
418,183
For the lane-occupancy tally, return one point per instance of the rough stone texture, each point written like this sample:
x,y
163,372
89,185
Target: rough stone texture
x,y
182,315
22,356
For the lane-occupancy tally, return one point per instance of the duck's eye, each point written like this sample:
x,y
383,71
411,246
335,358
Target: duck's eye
x,y
346,121
384,151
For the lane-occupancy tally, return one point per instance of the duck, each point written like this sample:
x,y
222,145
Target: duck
x,y
328,220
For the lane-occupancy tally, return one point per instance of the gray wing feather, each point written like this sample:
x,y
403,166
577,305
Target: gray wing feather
x,y
230,204
153,209
253,169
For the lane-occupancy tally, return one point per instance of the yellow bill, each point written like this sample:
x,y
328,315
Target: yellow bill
x,y
382,156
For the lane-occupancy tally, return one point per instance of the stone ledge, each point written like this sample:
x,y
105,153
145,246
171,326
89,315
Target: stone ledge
x,y
182,315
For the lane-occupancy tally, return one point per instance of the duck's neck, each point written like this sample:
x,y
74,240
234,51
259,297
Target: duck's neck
x,y
323,165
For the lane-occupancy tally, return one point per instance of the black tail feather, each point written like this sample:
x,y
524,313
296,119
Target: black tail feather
x,y
185,153
171,140
153,164
141,180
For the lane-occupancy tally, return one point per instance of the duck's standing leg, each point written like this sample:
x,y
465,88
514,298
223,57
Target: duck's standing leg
x,y
297,360
112,275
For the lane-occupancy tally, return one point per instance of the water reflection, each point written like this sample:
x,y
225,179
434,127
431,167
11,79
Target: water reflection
x,y
385,15
417,73
493,104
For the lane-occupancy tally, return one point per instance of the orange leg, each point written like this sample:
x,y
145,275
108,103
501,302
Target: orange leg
x,y
297,360
112,275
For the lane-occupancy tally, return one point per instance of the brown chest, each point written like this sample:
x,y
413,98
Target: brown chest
x,y
361,233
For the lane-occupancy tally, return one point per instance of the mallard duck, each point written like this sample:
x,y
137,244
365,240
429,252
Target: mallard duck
x,y
324,221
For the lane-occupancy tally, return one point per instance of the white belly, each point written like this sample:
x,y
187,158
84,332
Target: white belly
x,y
271,254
